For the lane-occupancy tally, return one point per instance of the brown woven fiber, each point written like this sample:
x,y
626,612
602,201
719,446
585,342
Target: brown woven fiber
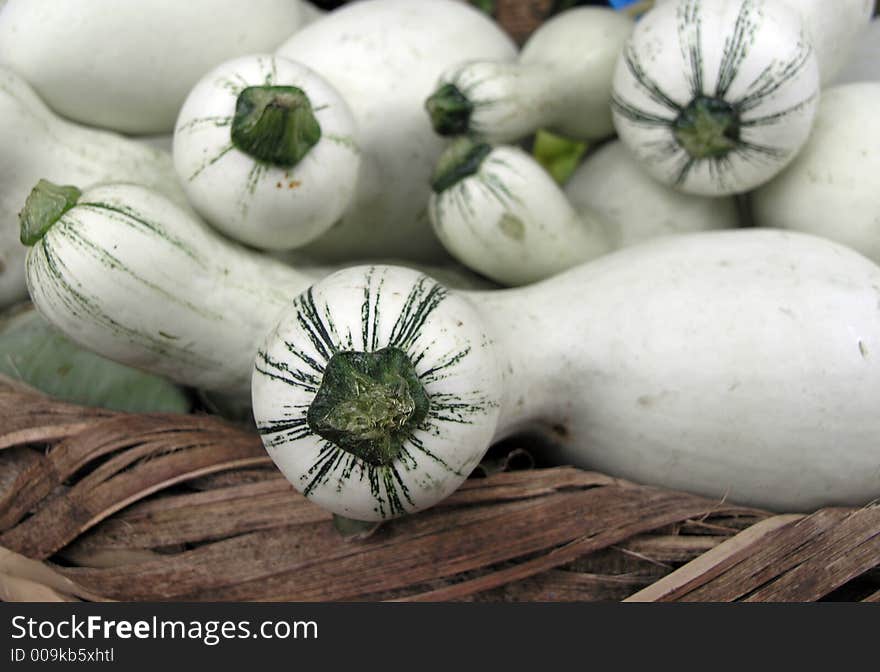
x,y
99,505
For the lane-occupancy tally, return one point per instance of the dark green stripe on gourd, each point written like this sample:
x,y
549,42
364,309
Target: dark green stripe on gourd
x,y
461,159
44,206
450,110
275,124
369,403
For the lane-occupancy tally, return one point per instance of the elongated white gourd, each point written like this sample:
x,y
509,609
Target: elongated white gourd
x,y
716,97
739,365
266,151
37,144
126,273
834,29
561,81
384,57
832,189
634,206
129,65
497,211
862,65
500,213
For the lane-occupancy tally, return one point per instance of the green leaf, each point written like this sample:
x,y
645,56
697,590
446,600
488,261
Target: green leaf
x,y
32,351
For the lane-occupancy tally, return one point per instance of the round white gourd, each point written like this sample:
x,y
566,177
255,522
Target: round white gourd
x,y
716,97
832,189
422,354
266,151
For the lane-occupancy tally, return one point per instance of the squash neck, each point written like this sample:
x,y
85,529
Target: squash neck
x,y
450,110
461,159
369,403
275,124
45,205
707,128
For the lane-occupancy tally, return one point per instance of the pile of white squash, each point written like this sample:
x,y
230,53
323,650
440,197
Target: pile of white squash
x,y
697,307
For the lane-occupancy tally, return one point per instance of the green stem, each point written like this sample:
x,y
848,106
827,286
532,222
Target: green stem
x,y
369,403
275,124
461,159
707,128
44,206
450,110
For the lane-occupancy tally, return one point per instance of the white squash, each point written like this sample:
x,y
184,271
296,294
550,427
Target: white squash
x,y
741,365
716,97
128,66
634,206
832,189
126,273
561,81
864,64
37,144
498,212
266,151
384,57
399,371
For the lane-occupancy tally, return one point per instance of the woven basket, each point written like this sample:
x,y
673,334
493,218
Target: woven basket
x,y
99,505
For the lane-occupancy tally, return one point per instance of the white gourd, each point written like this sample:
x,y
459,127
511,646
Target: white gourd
x,y
738,365
267,151
561,81
733,364
498,212
716,97
832,189
128,66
